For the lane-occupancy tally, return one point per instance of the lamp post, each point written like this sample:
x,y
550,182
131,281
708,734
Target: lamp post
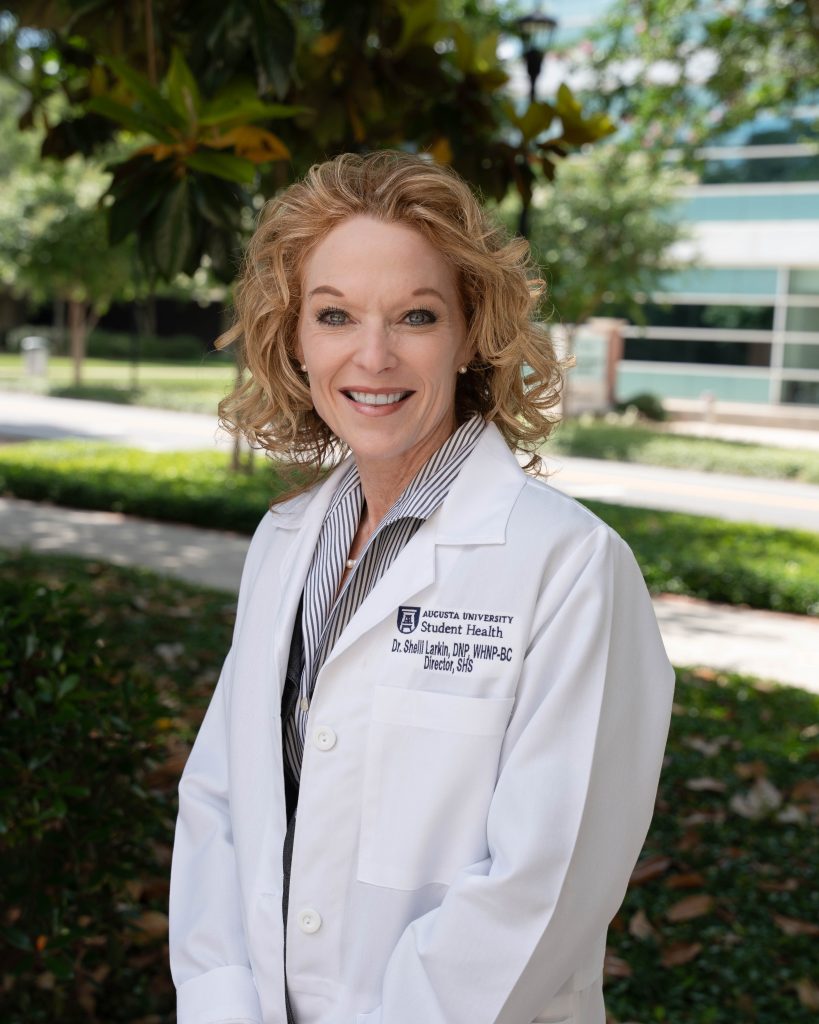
x,y
535,31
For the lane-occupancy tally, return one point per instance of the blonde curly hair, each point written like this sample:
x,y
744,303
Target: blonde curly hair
x,y
514,376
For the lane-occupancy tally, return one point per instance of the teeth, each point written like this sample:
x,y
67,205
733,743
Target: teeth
x,y
367,398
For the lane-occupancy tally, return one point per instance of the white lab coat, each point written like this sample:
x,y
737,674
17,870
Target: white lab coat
x,y
472,803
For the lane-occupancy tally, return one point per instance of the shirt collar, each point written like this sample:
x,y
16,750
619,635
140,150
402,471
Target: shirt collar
x,y
430,485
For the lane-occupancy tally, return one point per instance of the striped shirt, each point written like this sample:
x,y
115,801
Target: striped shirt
x,y
325,615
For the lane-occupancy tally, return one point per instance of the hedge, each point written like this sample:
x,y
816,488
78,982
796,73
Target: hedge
x,y
736,563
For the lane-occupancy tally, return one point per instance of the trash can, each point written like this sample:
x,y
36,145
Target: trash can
x,y
35,356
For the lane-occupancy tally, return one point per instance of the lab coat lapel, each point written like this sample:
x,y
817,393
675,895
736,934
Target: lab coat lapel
x,y
475,511
302,518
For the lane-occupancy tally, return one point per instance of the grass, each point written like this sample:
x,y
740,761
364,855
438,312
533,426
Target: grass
x,y
734,834
198,387
737,563
625,442
187,387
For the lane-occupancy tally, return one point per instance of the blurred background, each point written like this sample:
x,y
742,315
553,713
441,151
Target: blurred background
x,y
662,158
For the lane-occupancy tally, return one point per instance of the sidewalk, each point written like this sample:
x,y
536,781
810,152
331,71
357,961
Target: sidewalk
x,y
765,644
744,499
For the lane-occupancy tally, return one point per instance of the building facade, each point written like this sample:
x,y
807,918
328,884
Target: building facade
x,y
742,324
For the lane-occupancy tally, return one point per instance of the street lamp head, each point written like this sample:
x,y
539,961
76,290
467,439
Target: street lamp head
x,y
536,30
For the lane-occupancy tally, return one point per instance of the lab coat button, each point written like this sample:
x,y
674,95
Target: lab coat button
x,y
324,738
309,920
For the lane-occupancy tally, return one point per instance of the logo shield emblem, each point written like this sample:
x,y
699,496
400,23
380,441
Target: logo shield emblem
x,y
408,617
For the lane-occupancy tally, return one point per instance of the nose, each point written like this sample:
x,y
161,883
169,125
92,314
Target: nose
x,y
375,350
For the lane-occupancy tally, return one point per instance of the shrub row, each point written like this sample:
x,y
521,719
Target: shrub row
x,y
711,559
636,442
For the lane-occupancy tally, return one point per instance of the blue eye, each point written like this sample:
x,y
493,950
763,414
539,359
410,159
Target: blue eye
x,y
332,316
420,317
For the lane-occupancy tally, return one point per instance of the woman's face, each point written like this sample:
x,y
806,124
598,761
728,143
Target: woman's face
x,y
382,333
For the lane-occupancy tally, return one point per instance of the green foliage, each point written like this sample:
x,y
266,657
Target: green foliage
x,y
720,923
118,345
90,782
187,487
637,442
604,231
192,386
715,560
683,554
646,404
686,72
102,678
329,78
53,236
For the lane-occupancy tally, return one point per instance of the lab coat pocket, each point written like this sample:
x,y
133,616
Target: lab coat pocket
x,y
431,768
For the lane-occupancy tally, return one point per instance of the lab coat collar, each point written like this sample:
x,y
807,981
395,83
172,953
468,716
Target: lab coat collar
x,y
478,506
491,471
476,511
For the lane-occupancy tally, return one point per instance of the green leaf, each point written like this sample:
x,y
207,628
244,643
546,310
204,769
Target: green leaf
x,y
417,17
219,202
67,685
173,234
222,165
154,103
138,186
578,130
238,104
537,118
129,118
183,92
274,42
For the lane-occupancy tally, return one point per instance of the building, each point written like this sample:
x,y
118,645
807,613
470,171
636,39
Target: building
x,y
742,326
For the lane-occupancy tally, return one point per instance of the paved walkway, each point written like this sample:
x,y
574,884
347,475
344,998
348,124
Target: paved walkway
x,y
765,644
745,499
24,416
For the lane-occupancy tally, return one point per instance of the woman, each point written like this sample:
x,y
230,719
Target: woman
x,y
431,759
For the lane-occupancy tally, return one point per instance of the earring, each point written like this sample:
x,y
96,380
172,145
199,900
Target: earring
x,y
462,369
303,367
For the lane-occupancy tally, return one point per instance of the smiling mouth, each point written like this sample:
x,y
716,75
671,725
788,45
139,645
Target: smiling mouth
x,y
368,398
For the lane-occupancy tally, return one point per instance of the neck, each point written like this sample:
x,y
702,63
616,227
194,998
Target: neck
x,y
382,489
384,481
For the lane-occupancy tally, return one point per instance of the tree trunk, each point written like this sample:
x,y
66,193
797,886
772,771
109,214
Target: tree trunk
x,y
58,316
81,321
77,331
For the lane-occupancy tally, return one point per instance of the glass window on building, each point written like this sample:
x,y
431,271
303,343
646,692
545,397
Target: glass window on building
x,y
801,357
718,353
758,282
802,318
803,282
734,318
800,392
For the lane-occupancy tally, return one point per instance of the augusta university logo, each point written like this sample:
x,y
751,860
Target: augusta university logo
x,y
408,617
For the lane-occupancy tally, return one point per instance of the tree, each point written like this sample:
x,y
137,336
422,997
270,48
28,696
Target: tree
x,y
681,73
229,98
604,232
53,235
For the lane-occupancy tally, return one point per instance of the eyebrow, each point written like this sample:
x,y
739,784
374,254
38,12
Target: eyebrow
x,y
326,289
429,291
